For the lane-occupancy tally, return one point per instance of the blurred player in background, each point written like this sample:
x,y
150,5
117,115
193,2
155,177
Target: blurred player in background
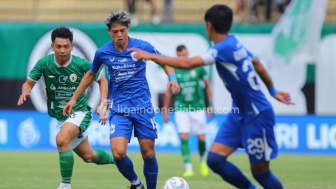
x,y
190,115
131,107
251,120
62,73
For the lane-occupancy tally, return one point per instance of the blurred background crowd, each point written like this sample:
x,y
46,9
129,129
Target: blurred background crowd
x,y
154,11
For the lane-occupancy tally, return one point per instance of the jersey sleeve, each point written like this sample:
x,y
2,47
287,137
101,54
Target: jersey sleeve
x,y
97,63
87,66
203,73
249,53
36,73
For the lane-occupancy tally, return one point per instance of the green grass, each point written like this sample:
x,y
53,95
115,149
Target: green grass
x,y
41,170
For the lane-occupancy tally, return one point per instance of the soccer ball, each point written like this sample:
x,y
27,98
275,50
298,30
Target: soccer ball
x,y
176,183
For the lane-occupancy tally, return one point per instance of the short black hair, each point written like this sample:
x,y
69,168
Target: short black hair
x,y
180,48
220,16
120,17
61,32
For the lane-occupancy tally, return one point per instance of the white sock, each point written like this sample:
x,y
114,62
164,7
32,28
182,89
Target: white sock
x,y
188,167
136,182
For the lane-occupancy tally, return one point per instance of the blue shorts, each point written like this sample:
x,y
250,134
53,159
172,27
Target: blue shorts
x,y
256,136
142,122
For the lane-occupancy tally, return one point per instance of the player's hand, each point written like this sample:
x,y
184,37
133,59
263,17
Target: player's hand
x,y
173,86
23,97
166,117
284,97
210,111
140,54
67,110
102,110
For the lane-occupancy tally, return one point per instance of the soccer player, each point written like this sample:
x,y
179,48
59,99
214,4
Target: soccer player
x,y
62,73
190,115
251,120
131,107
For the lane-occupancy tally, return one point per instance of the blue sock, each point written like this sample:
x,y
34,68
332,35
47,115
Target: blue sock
x,y
268,180
151,170
125,167
229,172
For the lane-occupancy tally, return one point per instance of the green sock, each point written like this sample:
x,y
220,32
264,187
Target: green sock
x,y
201,148
66,160
103,157
185,150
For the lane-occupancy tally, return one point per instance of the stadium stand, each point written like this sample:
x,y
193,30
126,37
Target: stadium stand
x,y
96,10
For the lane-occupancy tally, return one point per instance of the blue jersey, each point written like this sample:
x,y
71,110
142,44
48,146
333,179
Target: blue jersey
x,y
128,86
234,66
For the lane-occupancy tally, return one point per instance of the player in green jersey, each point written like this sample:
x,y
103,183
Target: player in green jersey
x,y
62,73
190,115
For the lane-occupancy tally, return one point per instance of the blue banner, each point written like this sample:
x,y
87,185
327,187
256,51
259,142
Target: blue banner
x,y
31,130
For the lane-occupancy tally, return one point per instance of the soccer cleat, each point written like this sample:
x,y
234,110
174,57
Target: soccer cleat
x,y
138,186
204,170
188,173
64,186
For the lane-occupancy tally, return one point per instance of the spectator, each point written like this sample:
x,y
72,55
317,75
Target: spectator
x,y
132,8
168,11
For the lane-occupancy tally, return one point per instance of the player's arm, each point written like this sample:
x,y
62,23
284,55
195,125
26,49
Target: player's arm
x,y
26,89
281,96
172,84
84,84
166,101
176,62
208,90
102,108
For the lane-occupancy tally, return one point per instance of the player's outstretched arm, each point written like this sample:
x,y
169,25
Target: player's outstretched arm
x,y
176,62
84,84
208,90
26,89
102,108
166,102
281,96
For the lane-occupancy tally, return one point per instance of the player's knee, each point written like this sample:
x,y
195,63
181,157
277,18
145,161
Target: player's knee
x,y
61,141
213,159
118,154
147,154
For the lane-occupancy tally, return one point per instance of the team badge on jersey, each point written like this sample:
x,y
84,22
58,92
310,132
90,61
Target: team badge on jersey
x,y
112,128
132,55
73,77
193,73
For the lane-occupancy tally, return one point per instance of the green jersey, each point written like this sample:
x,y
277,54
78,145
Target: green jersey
x,y
191,96
61,82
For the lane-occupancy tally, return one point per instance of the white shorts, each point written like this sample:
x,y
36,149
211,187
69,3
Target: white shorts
x,y
81,120
191,122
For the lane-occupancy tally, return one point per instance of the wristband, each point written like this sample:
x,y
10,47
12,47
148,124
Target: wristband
x,y
272,91
172,78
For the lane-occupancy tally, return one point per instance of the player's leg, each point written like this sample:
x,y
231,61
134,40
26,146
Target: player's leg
x,y
90,155
65,136
226,142
184,125
146,132
261,146
120,135
199,128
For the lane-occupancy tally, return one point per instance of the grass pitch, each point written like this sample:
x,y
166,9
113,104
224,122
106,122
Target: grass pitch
x,y
34,170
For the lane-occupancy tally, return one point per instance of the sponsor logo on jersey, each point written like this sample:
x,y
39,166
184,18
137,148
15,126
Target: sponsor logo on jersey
x,y
62,79
123,60
52,87
73,77
112,59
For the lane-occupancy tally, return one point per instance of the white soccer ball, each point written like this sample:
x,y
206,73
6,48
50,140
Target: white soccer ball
x,y
176,183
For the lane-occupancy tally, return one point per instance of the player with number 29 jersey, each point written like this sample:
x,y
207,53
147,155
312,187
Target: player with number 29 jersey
x,y
234,66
